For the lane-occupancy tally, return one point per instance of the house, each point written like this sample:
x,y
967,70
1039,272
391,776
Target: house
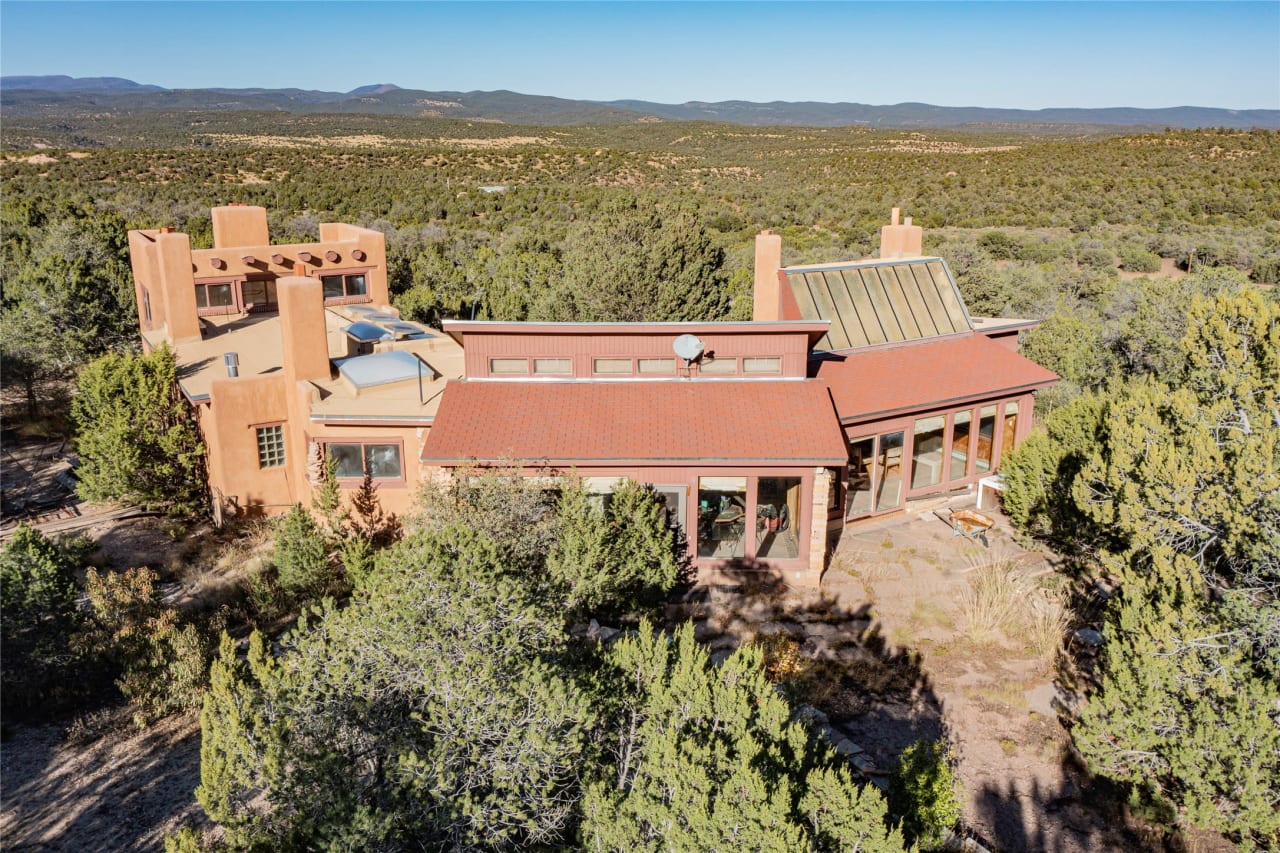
x,y
929,398
720,418
857,387
290,353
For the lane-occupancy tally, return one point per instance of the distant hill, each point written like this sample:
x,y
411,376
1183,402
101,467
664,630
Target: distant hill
x,y
59,95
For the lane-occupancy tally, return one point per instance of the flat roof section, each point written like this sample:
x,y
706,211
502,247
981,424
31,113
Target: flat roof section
x,y
782,423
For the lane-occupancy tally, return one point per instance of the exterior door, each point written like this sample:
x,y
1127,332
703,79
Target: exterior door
x,y
875,475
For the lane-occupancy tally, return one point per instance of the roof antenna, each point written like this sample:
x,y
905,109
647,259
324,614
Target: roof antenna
x,y
688,347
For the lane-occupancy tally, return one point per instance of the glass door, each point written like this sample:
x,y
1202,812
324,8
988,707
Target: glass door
x,y
875,475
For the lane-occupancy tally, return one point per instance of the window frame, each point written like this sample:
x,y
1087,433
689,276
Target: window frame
x,y
348,273
259,430
348,482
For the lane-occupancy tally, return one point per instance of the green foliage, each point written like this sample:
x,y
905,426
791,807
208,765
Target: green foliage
x,y
163,663
302,556
38,617
614,551
1187,482
431,712
707,759
636,263
1039,474
137,438
924,791
1138,259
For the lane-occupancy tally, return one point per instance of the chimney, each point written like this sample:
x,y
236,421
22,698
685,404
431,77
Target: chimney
x,y
237,225
304,341
767,301
901,241
232,361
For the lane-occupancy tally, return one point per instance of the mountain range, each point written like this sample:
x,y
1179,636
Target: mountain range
x,y
55,95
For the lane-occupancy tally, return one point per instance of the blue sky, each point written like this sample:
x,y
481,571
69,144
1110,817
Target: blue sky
x,y
1012,54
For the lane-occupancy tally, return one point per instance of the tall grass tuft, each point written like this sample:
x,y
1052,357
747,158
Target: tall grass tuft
x,y
1001,603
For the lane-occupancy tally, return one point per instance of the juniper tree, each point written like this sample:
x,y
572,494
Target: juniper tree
x,y
429,713
137,437
1187,481
706,758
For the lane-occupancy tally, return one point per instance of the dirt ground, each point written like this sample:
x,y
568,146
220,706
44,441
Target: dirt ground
x,y
124,791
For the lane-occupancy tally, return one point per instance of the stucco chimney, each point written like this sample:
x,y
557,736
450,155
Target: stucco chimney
x,y
767,298
901,241
304,341
236,225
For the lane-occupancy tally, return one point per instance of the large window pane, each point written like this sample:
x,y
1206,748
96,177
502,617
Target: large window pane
x,y
926,452
355,285
986,432
220,296
1010,431
960,444
722,517
383,461
659,366
861,462
347,459
718,366
509,366
202,296
889,471
552,366
332,286
777,511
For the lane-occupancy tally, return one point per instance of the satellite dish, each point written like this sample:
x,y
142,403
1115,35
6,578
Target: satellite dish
x,y
688,347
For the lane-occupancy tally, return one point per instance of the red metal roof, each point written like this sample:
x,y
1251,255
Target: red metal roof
x,y
678,422
878,381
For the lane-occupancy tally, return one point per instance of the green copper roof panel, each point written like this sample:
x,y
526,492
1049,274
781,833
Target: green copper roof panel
x,y
875,303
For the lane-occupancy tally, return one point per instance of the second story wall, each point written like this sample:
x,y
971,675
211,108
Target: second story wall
x,y
616,351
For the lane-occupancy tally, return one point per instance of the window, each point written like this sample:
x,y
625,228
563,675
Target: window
x,y
926,462
344,286
777,513
722,517
1010,428
270,446
259,295
986,434
611,366
960,445
658,366
719,366
215,298
350,461
509,366
760,364
552,366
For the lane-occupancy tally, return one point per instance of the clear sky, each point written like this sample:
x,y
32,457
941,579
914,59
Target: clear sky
x,y
1012,54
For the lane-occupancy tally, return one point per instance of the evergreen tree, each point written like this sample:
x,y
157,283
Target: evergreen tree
x,y
613,551
1187,480
137,437
706,758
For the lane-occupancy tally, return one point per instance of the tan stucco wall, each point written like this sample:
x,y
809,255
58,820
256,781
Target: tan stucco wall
x,y
236,408
239,225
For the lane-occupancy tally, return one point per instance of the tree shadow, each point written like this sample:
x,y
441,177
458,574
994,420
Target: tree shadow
x,y
824,654
116,793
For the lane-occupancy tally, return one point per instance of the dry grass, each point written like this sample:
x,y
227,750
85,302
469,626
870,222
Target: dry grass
x,y
1001,602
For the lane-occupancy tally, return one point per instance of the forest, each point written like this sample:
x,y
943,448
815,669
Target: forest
x,y
1151,259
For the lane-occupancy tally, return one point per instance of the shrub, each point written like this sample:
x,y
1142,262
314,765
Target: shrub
x,y
1138,259
163,663
38,617
302,556
922,792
